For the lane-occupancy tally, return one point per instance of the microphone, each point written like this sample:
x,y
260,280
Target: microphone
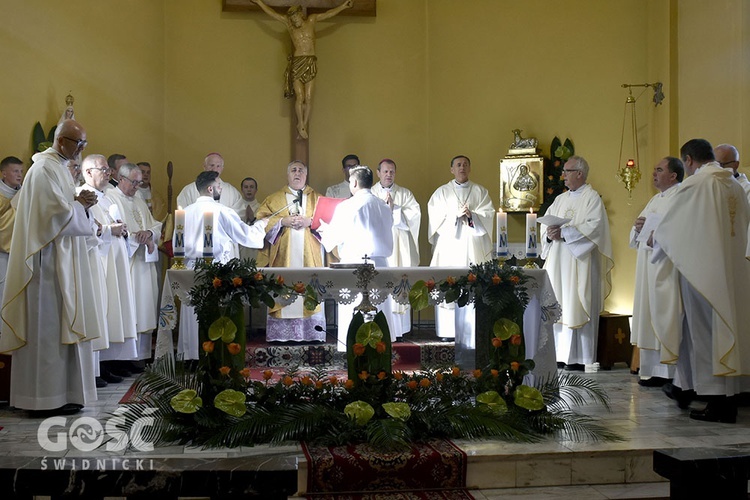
x,y
299,197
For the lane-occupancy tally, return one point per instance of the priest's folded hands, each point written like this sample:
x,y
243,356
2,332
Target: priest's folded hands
x,y
86,198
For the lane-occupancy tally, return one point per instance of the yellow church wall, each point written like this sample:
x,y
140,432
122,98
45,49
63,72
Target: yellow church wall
x,y
109,55
420,82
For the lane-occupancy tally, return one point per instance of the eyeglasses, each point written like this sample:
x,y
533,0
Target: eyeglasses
x,y
723,164
134,183
99,169
80,143
569,170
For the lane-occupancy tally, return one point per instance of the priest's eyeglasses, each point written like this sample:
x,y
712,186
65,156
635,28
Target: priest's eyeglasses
x,y
724,164
134,183
80,143
569,170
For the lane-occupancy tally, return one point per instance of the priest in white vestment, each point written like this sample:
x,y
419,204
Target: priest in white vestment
x,y
230,196
44,323
341,190
704,234
361,226
460,232
651,277
143,237
578,258
728,157
290,242
227,231
407,216
120,298
11,176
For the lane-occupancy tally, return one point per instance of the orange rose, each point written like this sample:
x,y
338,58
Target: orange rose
x,y
258,276
496,279
237,281
279,280
515,280
333,380
381,375
496,342
358,349
412,384
363,375
398,375
515,339
318,384
430,284
472,277
208,346
299,287
425,382
288,380
245,372
267,374
217,283
439,377
380,347
349,384
495,373
224,370
450,280
514,366
477,373
234,348
306,380
455,371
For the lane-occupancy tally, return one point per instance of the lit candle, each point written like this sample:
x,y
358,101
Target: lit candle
x,y
178,240
502,234
531,252
208,234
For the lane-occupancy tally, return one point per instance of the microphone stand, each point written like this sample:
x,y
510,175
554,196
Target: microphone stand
x,y
297,200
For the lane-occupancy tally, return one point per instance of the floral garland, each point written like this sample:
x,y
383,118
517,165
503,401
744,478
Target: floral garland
x,y
221,405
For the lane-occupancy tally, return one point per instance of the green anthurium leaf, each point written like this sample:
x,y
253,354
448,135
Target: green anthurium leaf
x,y
186,401
419,296
494,402
399,411
231,402
504,328
268,300
359,411
451,295
528,397
369,334
223,328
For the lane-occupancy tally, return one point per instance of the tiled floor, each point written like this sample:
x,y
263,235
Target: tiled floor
x,y
644,417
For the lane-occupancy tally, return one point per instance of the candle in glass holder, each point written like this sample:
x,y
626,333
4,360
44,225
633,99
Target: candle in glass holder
x,y
502,234
178,240
208,234
531,237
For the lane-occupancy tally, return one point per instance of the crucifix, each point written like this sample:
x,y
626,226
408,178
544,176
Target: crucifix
x,y
299,78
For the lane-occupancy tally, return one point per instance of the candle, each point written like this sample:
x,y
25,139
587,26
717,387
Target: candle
x,y
208,234
502,234
531,252
178,240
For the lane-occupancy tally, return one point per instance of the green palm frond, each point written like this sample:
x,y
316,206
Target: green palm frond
x,y
563,391
572,426
388,434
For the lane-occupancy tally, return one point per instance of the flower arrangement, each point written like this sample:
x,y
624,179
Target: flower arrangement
x,y
554,184
221,405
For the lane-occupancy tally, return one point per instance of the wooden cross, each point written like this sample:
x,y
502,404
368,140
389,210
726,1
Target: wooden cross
x,y
620,335
302,86
360,8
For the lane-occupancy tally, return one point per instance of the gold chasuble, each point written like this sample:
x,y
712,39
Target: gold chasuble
x,y
279,249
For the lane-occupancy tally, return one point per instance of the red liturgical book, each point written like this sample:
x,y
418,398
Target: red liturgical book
x,y
324,210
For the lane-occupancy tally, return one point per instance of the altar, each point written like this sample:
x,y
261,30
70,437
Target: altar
x,y
342,286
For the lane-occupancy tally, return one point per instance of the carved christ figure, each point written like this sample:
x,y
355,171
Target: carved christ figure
x,y
301,70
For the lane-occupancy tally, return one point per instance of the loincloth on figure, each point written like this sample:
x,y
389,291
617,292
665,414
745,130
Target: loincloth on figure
x,y
302,68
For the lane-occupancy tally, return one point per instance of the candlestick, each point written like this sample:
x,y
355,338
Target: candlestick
x,y
178,240
531,236
502,234
208,235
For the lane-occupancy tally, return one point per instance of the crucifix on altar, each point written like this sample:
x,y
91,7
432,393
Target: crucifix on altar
x,y
299,78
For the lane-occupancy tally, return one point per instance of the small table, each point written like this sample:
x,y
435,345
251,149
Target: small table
x,y
613,342
705,472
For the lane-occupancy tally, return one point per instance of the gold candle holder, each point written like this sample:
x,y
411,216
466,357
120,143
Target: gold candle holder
x,y
179,263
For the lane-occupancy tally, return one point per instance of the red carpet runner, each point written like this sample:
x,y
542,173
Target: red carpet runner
x,y
436,469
